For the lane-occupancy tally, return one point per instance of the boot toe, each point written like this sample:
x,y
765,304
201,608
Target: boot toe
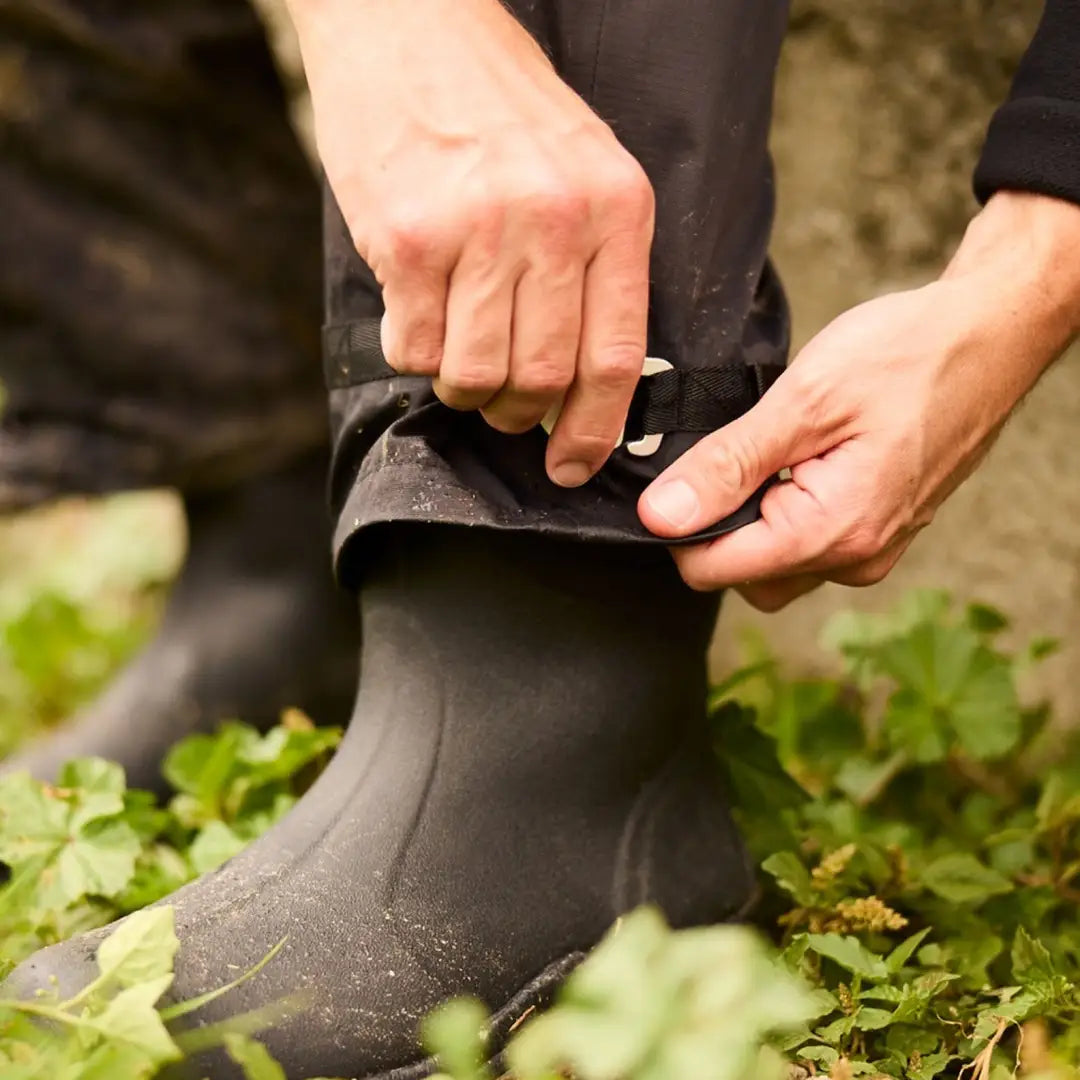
x,y
59,971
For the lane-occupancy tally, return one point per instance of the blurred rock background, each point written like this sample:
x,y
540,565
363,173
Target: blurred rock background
x,y
881,108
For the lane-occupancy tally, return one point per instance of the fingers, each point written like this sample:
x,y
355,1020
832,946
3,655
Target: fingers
x,y
414,324
612,348
718,474
793,532
476,353
543,353
770,596
807,535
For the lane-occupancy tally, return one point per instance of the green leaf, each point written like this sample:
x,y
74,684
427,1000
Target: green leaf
x,y
759,782
97,787
961,878
787,869
116,1061
819,1055
32,824
985,619
950,687
456,1033
200,765
1031,961
867,1019
850,954
142,948
862,778
99,861
898,959
130,1018
930,1066
214,844
253,1058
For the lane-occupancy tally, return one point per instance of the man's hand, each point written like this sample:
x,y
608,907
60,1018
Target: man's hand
x,y
881,416
509,230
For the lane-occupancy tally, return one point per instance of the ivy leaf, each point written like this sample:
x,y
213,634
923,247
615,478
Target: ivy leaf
x,y
759,782
200,765
32,825
961,878
66,834
253,1058
141,949
214,844
951,686
112,1060
97,788
130,1018
98,861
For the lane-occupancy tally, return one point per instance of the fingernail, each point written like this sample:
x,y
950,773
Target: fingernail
x,y
675,501
571,474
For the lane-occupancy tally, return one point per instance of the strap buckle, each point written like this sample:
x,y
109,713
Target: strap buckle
x,y
647,445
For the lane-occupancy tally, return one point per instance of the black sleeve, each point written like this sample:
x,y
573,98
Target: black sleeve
x,y
1034,138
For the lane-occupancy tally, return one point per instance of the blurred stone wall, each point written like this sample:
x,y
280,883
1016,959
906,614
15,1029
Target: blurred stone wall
x,y
881,109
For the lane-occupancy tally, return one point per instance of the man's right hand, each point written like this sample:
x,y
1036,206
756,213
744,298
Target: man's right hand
x,y
509,230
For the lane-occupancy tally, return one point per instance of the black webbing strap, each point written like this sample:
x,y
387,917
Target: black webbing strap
x,y
696,400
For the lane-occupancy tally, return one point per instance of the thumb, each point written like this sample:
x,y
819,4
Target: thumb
x,y
718,474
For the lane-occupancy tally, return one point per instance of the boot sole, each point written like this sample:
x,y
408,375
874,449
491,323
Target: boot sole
x,y
534,996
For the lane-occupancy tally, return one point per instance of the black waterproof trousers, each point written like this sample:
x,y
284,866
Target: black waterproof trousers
x,y
158,261
159,252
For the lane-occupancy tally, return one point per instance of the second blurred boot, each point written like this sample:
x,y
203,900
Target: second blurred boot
x,y
254,624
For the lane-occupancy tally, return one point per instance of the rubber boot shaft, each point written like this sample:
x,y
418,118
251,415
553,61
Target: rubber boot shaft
x,y
526,762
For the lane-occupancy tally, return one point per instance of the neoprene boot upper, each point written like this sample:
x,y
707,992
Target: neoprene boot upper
x,y
528,760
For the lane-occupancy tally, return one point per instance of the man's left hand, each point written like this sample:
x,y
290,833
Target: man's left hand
x,y
881,416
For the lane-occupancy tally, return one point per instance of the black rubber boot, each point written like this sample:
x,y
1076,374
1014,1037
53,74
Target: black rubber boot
x,y
530,761
254,624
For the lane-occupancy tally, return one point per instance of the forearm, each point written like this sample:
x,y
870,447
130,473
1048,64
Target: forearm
x,y
1023,250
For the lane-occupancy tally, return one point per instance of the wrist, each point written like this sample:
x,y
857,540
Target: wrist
x,y
1026,248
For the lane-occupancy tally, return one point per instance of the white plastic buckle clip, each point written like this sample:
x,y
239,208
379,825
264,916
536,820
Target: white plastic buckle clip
x,y
647,445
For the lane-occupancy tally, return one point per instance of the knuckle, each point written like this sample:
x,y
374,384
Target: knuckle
x,y
591,446
485,206
733,466
419,349
765,601
509,422
419,358
408,242
871,573
863,543
693,572
542,376
616,366
557,210
475,379
625,191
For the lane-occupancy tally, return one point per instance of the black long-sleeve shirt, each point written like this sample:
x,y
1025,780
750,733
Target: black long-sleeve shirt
x,y
1034,138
